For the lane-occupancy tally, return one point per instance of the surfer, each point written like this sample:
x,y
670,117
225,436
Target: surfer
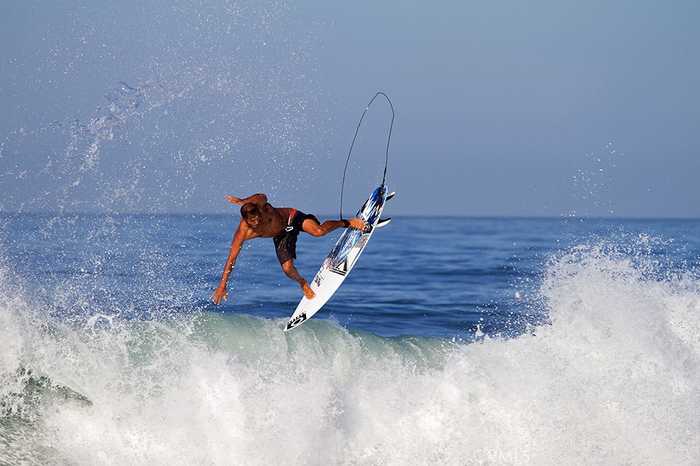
x,y
259,219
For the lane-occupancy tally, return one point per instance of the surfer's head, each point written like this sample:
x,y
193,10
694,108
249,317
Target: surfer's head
x,y
251,214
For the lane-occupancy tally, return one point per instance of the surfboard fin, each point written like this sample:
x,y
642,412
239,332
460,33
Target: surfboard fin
x,y
391,195
382,222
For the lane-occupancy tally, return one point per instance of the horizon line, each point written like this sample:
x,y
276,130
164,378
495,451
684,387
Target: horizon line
x,y
474,216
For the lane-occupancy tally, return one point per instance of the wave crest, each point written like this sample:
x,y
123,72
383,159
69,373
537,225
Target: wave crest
x,y
613,378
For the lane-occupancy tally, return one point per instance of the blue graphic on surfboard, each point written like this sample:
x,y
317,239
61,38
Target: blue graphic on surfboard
x,y
342,258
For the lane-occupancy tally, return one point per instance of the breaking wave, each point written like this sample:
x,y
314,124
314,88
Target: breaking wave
x,y
611,379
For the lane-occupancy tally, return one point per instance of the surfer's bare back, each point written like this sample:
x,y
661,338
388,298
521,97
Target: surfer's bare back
x,y
283,224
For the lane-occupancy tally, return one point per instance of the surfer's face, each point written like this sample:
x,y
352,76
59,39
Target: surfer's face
x,y
251,214
253,220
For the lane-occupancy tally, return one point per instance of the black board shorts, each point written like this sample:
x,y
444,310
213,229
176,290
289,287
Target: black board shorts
x,y
286,242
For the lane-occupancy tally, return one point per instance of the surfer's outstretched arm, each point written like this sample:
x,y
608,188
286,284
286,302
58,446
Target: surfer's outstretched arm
x,y
313,228
259,199
239,237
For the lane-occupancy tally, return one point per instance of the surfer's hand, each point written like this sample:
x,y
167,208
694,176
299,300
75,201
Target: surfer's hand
x,y
233,200
357,224
219,295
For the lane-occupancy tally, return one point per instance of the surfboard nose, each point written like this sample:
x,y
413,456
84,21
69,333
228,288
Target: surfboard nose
x,y
295,321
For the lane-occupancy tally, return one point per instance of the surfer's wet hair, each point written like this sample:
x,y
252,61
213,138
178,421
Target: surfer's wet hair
x,y
249,210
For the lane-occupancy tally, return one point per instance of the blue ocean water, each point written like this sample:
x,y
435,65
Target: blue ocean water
x,y
423,276
453,341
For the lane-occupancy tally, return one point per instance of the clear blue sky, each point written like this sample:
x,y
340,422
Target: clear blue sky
x,y
503,108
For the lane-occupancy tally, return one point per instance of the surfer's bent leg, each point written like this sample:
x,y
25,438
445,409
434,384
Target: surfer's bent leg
x,y
286,250
314,228
291,272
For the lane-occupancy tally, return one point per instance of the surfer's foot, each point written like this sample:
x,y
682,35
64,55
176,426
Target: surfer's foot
x,y
357,224
308,292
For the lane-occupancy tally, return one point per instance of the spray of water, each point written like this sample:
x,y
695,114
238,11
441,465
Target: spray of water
x,y
613,378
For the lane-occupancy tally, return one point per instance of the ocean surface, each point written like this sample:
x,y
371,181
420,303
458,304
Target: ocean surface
x,y
453,341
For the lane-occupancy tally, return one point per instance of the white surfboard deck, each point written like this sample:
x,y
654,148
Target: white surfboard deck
x,y
342,258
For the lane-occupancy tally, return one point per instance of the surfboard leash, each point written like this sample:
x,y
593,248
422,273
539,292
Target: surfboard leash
x,y
354,138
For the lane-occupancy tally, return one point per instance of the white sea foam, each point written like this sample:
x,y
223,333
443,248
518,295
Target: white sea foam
x,y
613,380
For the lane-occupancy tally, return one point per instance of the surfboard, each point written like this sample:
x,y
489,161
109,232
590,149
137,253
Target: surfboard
x,y
342,258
